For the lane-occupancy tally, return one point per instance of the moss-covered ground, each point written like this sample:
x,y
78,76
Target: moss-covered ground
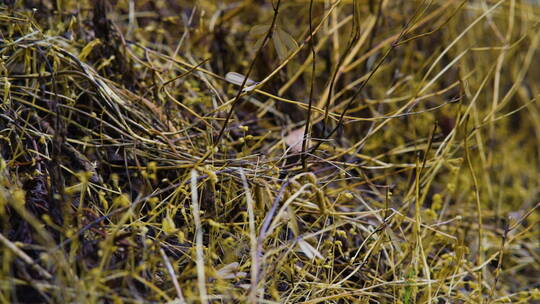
x,y
257,151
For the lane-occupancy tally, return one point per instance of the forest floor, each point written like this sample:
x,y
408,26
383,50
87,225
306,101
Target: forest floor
x,y
257,151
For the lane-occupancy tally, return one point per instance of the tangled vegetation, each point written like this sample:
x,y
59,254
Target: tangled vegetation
x,y
257,151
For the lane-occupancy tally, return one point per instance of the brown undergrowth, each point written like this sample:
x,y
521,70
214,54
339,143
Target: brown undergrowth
x,y
376,152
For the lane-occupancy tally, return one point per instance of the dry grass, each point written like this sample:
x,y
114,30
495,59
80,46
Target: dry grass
x,y
135,168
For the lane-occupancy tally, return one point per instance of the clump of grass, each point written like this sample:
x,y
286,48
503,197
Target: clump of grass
x,y
379,151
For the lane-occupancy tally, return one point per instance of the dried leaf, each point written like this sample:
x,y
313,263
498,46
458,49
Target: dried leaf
x,y
230,271
238,79
294,140
309,250
259,30
284,43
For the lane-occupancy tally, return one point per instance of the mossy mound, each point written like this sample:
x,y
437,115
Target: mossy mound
x,y
138,164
